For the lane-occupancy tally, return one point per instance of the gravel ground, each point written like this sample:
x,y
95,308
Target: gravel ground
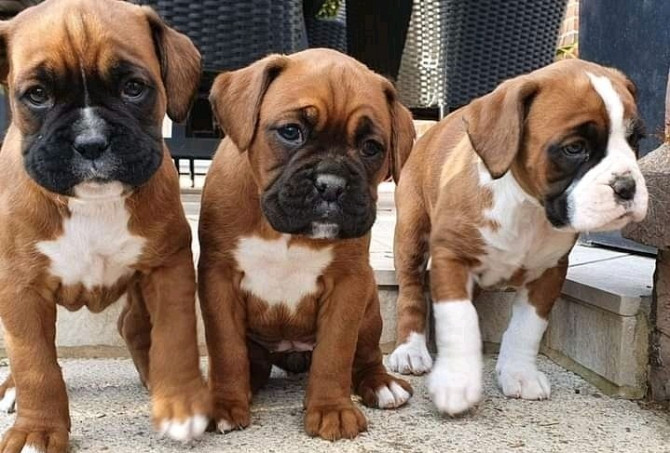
x,y
110,413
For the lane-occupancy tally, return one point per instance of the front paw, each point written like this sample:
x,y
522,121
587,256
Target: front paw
x,y
231,415
411,357
455,386
335,421
523,380
35,440
384,391
183,417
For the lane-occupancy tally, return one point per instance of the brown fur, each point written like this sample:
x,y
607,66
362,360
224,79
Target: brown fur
x,y
439,192
343,315
161,292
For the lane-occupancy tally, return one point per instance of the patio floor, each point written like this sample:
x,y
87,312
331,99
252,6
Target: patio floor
x,y
110,412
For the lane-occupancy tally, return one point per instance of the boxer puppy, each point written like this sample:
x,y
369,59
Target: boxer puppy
x,y
285,229
496,195
90,208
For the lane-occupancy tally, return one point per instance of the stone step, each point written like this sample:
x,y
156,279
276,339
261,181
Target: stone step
x,y
599,328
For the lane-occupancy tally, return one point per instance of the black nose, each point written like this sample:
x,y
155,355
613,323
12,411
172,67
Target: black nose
x,y
90,146
624,187
330,187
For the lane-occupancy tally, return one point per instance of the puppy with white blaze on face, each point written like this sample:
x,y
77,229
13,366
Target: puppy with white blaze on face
x,y
496,194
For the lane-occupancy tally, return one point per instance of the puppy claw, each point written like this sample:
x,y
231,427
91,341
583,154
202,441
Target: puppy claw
x,y
411,357
231,417
455,388
185,430
392,396
523,381
344,421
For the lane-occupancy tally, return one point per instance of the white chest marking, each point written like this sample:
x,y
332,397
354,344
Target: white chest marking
x,y
278,273
96,248
525,237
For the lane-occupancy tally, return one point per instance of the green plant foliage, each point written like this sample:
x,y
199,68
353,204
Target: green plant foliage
x,y
329,8
569,51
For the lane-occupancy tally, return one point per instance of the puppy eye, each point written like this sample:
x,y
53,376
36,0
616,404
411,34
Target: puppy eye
x,y
291,133
133,88
38,96
574,149
371,148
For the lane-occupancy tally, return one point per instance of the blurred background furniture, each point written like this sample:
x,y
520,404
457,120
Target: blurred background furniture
x,y
326,31
457,50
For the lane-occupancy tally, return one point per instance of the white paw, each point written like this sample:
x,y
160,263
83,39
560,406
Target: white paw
x,y
8,402
185,430
455,386
223,426
391,396
519,380
30,449
411,357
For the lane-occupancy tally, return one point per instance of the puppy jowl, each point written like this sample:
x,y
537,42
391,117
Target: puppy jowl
x,y
542,158
91,208
284,229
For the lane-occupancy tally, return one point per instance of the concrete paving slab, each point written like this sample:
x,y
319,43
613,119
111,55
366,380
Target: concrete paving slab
x,y
110,413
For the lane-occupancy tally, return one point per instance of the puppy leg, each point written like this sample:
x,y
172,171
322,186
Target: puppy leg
x,y
8,395
330,412
371,382
518,376
134,325
181,402
229,367
411,355
43,420
455,384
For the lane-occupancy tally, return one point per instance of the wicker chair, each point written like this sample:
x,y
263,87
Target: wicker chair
x,y
457,50
230,34
328,32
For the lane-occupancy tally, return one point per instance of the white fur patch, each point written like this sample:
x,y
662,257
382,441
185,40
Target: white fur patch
x,y
455,384
525,238
391,396
324,230
223,426
517,371
411,357
8,402
592,204
184,431
31,449
96,248
278,273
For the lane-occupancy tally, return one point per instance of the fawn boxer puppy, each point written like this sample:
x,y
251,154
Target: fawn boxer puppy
x,y
285,229
90,210
496,194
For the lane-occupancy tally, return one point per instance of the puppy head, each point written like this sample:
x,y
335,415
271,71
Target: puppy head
x,y
321,131
569,134
89,84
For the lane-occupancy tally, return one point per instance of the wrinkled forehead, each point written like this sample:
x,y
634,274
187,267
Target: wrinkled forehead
x,y
89,38
589,94
332,96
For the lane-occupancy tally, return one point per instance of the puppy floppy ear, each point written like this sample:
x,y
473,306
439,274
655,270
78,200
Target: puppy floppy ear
x,y
495,123
402,133
237,96
181,65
